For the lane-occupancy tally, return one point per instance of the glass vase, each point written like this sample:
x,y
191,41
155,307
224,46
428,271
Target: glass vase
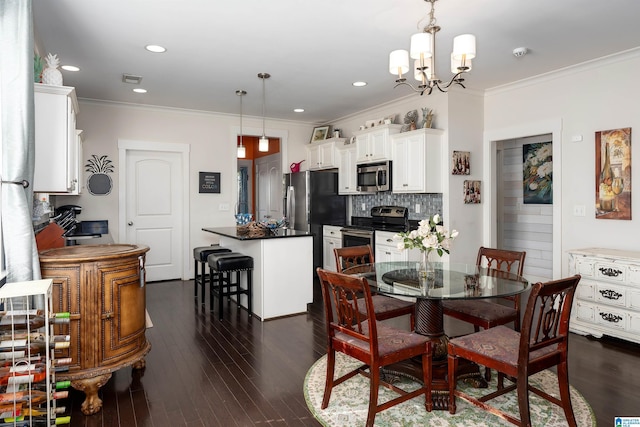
x,y
427,269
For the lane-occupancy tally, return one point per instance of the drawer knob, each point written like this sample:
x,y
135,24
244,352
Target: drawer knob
x,y
611,272
610,317
610,294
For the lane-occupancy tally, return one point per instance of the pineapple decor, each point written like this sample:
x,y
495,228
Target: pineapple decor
x,y
99,183
51,75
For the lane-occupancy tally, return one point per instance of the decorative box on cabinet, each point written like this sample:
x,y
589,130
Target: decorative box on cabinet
x,y
103,289
417,161
57,163
347,178
25,330
331,239
607,301
373,144
322,155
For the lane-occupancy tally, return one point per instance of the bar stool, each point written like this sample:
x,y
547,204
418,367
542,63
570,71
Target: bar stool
x,y
200,255
221,265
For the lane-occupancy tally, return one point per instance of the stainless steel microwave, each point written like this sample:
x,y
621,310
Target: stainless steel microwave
x,y
374,177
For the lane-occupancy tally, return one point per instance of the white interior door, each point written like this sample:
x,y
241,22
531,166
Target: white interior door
x,y
269,187
154,200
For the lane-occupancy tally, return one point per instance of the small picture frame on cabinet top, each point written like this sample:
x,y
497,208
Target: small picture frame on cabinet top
x,y
319,133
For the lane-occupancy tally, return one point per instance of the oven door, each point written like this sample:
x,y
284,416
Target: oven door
x,y
357,237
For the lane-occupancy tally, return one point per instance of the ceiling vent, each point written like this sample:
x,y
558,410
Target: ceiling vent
x,y
130,78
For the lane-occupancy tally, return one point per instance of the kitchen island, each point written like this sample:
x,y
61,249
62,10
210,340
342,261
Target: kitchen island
x,y
283,268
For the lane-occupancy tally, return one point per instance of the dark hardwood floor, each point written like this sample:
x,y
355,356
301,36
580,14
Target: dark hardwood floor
x,y
243,372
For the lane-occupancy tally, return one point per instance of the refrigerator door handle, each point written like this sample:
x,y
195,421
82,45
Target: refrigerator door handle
x,y
291,207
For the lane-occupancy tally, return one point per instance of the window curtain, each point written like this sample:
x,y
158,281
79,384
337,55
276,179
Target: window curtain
x,y
17,130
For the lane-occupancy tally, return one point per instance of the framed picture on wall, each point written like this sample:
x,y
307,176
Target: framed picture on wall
x,y
472,191
613,174
460,163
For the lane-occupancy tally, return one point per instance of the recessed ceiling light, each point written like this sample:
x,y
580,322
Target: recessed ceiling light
x,y
298,110
70,68
155,48
140,90
359,84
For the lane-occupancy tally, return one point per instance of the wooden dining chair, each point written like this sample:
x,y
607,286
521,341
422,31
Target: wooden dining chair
x,y
369,341
541,344
485,313
385,307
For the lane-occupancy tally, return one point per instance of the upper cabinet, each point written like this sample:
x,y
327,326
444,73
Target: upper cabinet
x,y
57,156
417,161
373,144
347,178
322,154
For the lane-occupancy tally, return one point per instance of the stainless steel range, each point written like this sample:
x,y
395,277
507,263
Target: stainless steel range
x,y
362,229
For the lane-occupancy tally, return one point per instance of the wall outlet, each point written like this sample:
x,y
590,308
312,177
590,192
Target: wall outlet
x,y
417,207
363,207
223,206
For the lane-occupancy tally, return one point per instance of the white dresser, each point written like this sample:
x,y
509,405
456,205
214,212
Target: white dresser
x,y
607,301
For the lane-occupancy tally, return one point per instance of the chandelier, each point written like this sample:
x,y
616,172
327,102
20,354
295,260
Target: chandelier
x,y
242,151
263,143
423,51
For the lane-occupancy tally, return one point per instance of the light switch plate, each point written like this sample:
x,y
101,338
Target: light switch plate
x,y
579,210
223,206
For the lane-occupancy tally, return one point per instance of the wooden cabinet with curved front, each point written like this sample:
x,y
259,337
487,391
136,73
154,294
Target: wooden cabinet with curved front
x,y
103,289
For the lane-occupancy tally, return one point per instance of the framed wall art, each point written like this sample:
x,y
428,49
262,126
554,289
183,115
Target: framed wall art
x,y
209,182
537,173
613,174
319,133
460,163
472,191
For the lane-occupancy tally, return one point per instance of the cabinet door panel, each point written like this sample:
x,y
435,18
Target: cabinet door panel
x,y
122,311
66,295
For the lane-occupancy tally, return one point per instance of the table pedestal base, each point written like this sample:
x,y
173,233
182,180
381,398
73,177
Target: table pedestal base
x,y
429,322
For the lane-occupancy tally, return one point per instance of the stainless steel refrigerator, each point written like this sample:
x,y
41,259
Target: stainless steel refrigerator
x,y
311,200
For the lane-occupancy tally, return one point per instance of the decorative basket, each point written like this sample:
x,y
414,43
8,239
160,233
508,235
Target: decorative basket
x,y
252,229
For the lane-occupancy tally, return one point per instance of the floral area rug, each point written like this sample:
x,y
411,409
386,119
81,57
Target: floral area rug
x,y
349,402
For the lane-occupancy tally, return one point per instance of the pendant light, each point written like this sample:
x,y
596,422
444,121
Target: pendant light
x,y
263,143
242,151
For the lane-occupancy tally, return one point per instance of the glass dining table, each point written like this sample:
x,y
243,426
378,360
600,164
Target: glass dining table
x,y
449,281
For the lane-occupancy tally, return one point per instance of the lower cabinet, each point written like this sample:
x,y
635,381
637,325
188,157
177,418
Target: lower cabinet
x,y
103,289
607,301
331,239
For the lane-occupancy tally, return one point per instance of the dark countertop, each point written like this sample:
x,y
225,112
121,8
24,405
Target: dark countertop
x,y
232,232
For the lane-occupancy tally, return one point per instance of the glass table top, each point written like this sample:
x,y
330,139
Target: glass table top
x,y
449,281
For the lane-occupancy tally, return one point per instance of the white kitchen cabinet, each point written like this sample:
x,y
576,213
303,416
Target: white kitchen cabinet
x,y
607,301
373,144
331,239
347,178
322,155
417,161
387,248
57,165
76,167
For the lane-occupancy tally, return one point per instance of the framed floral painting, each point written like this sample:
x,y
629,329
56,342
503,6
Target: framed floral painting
x,y
537,173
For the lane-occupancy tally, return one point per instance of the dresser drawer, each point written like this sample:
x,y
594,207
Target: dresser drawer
x,y
610,271
611,294
584,311
610,317
633,276
586,290
585,267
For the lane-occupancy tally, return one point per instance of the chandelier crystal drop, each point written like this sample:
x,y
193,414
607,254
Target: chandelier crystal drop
x,y
263,142
242,151
423,51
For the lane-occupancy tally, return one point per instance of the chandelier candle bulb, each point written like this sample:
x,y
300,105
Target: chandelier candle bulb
x,y
399,63
421,46
464,45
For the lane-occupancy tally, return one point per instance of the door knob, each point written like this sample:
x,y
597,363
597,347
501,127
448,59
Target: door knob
x,y
130,223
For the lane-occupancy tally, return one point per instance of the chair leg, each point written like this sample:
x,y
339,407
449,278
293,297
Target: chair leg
x,y
225,281
328,383
565,394
522,387
374,377
427,377
249,291
212,279
195,280
451,374
412,321
487,374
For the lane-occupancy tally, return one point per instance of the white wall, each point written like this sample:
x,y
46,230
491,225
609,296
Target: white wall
x,y
597,96
212,149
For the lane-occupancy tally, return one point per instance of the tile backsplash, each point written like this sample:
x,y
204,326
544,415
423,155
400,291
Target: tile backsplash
x,y
430,204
